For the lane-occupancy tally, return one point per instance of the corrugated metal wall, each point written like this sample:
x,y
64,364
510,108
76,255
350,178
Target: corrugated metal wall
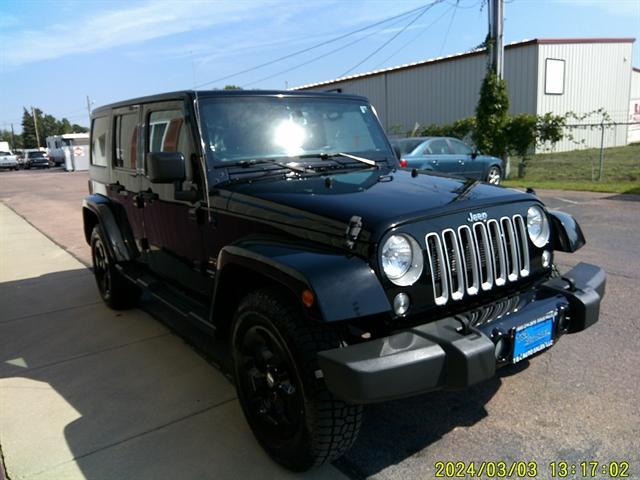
x,y
443,91
635,84
633,131
597,75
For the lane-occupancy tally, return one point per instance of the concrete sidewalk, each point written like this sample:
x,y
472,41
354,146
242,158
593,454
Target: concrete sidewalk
x,y
87,392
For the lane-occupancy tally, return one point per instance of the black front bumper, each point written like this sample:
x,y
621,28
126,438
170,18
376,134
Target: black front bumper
x,y
452,352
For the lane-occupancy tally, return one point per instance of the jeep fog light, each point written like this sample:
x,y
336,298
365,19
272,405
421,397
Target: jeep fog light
x,y
401,304
546,258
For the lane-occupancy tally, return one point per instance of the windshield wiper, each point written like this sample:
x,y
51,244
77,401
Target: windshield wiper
x,y
332,156
263,161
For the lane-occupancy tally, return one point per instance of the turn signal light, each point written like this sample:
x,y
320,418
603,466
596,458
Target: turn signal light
x,y
308,298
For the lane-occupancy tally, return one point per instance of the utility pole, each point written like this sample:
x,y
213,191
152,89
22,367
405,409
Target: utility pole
x,y
89,108
35,125
496,43
13,137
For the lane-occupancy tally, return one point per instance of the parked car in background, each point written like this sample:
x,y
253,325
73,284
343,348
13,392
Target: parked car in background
x,y
8,160
36,159
20,157
448,155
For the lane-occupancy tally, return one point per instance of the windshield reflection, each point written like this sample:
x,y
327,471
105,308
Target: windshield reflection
x,y
261,127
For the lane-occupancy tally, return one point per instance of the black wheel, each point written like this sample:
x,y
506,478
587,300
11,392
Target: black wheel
x,y
290,411
116,291
494,175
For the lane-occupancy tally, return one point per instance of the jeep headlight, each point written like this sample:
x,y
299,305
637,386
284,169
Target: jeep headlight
x,y
401,259
537,226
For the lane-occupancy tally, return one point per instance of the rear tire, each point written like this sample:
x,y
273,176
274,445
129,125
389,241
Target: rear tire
x,y
294,417
116,291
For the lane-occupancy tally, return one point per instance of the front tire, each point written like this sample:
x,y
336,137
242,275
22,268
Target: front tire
x,y
494,175
116,291
290,411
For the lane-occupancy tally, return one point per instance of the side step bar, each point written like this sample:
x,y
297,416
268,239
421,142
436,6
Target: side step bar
x,y
192,310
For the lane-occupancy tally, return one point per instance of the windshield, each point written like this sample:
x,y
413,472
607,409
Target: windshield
x,y
37,154
246,128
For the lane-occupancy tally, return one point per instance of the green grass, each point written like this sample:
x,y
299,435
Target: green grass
x,y
578,170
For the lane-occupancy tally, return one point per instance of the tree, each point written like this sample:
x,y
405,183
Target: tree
x,y
492,116
525,131
48,126
232,87
28,130
75,128
65,126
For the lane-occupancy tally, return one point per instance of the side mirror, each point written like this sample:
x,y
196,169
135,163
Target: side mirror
x,y
165,167
474,154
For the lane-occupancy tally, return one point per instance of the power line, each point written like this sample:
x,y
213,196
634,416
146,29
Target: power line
x,y
467,7
413,39
446,35
326,54
304,50
415,19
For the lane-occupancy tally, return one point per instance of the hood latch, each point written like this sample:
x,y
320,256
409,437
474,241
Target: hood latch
x,y
353,230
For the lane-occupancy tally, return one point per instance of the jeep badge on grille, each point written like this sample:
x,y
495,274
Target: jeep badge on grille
x,y
477,217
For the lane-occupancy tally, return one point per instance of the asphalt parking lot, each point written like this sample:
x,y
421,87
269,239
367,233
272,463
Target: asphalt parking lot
x,y
86,392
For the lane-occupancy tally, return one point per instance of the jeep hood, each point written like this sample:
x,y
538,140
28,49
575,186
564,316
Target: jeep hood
x,y
382,198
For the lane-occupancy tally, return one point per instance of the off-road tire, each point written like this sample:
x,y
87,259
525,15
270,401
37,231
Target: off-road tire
x,y
328,426
117,292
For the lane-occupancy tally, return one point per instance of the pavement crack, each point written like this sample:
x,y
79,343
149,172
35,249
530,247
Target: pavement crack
x,y
4,475
89,354
3,322
140,434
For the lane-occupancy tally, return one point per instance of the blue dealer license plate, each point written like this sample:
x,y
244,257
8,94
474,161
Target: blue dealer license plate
x,y
533,337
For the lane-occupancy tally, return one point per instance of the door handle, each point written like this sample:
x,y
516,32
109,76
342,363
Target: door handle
x,y
118,188
197,214
140,199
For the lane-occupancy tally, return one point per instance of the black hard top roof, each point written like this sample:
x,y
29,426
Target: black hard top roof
x,y
189,94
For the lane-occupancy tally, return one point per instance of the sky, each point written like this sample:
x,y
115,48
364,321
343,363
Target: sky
x,y
53,54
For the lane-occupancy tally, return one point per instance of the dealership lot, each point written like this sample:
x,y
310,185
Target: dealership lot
x,y
108,394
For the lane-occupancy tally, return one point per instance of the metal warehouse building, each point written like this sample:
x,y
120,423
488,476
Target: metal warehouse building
x,y
543,76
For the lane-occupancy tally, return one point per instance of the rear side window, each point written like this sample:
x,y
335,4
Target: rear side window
x,y
168,133
438,147
126,141
99,128
459,148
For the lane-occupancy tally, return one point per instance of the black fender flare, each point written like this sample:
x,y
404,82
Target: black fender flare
x,y
114,225
567,234
344,286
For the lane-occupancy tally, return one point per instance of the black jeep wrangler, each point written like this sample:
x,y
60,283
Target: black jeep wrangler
x,y
282,222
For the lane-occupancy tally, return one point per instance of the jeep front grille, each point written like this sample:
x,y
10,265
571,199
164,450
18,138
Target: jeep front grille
x,y
475,258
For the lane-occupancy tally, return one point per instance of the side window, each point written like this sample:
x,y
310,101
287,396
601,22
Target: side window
x,y
99,129
168,133
438,147
459,147
125,153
